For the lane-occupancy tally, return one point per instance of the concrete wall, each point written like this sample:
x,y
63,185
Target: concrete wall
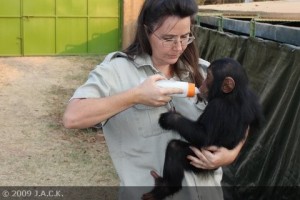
x,y
131,10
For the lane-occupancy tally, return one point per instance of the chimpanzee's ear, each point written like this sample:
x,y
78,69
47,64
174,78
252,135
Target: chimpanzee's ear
x,y
228,84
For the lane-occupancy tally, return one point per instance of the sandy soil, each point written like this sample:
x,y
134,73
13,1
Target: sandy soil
x,y
35,149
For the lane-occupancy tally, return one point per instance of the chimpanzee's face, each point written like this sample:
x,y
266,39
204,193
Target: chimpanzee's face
x,y
206,84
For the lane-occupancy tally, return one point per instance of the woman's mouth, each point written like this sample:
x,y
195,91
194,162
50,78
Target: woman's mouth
x,y
173,56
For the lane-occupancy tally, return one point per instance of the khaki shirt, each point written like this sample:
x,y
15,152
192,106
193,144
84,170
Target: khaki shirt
x,y
135,140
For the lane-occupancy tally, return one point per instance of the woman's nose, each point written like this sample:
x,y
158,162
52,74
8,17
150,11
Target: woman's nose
x,y
177,45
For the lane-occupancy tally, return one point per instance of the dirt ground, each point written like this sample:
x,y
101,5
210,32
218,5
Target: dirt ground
x,y
35,148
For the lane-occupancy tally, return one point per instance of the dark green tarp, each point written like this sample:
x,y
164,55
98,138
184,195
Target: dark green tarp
x,y
270,158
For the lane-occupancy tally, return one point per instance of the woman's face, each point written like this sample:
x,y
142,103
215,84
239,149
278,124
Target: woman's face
x,y
164,51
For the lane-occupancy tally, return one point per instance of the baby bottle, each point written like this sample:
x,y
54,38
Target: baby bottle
x,y
189,89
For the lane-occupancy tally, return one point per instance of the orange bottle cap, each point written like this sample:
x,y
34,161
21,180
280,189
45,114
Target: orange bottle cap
x,y
191,90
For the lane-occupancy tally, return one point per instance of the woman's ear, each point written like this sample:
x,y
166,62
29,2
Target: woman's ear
x,y
228,84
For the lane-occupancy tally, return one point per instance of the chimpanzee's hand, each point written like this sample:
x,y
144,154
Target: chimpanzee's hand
x,y
168,120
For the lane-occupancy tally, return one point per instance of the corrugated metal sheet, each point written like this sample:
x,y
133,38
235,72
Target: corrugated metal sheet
x,y
52,27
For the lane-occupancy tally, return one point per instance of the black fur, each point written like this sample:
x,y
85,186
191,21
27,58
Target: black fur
x,y
223,123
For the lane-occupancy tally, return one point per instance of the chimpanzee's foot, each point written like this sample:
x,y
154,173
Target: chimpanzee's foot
x,y
161,189
159,181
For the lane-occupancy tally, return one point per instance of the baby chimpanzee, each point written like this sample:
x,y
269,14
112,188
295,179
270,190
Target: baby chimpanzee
x,y
232,108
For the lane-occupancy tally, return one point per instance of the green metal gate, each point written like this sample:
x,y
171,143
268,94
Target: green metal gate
x,y
59,27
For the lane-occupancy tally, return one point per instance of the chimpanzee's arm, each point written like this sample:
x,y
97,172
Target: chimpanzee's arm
x,y
192,131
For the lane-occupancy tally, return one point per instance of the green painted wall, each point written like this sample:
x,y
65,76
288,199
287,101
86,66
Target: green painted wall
x,y
59,27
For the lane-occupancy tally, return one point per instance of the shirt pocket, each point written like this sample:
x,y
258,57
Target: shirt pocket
x,y
147,119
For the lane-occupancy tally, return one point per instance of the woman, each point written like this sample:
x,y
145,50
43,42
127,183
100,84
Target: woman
x,y
121,93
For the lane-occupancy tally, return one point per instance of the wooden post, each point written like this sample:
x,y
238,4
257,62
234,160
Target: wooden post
x,y
131,10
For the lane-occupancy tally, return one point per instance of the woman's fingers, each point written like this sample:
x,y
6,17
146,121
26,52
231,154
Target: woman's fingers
x,y
200,160
205,158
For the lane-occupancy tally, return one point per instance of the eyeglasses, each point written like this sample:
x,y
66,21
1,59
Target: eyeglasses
x,y
170,42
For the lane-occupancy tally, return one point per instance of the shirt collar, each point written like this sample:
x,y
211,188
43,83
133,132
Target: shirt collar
x,y
146,61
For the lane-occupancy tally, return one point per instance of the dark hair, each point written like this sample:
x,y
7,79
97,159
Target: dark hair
x,y
153,14
225,67
241,97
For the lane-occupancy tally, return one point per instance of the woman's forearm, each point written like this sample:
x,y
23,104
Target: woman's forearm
x,y
84,113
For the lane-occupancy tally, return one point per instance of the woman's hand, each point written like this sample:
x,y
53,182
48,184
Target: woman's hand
x,y
213,157
152,95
